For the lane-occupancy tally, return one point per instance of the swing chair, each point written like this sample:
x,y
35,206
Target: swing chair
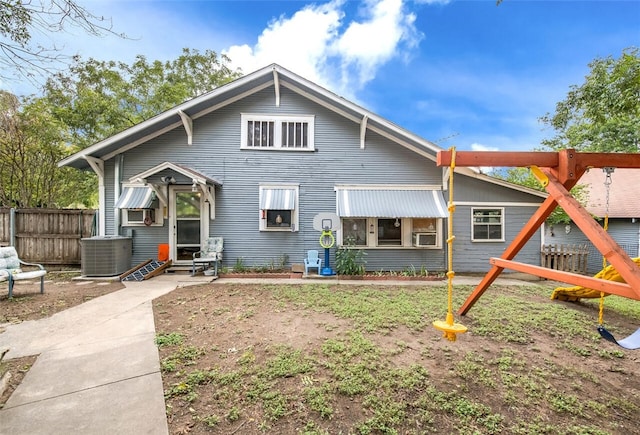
x,y
631,342
448,326
608,272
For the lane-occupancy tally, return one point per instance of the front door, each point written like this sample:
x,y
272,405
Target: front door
x,y
187,213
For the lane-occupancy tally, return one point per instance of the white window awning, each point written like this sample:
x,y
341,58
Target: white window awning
x,y
135,197
391,203
277,199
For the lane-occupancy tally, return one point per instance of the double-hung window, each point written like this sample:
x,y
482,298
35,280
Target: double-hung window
x,y
279,207
487,224
277,132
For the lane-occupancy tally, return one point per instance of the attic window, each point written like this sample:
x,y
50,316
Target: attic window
x,y
277,132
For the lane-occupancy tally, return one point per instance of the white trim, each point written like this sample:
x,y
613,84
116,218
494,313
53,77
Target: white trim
x,y
158,222
187,122
497,204
204,221
198,178
276,85
277,120
98,167
295,213
433,187
502,225
363,130
333,102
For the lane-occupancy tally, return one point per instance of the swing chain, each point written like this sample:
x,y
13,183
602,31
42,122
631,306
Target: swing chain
x,y
608,170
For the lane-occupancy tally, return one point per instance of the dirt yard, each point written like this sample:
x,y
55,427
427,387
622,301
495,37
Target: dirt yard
x,y
329,359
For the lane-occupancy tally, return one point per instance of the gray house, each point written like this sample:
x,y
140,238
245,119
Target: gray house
x,y
623,210
255,160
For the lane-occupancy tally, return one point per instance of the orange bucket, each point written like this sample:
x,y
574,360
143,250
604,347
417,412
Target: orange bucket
x,y
163,252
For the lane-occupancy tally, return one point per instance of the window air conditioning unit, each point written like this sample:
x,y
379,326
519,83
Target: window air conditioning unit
x,y
424,239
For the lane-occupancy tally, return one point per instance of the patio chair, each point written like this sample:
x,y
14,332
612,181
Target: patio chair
x,y
312,261
210,254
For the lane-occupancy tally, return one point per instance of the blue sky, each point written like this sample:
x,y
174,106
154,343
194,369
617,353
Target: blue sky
x,y
464,73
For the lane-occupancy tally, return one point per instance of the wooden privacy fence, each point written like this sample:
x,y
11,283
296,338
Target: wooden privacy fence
x,y
47,236
568,258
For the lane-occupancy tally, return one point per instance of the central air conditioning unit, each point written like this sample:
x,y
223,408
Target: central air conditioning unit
x,y
424,239
106,256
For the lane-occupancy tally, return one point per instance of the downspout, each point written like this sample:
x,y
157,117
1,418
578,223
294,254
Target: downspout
x,y
117,179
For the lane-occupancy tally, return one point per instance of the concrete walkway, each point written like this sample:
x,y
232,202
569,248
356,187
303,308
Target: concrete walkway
x,y
98,370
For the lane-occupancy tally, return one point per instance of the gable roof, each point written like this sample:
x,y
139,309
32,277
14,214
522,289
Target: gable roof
x,y
272,75
624,199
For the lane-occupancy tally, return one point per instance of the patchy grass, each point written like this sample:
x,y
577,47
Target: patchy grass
x,y
325,359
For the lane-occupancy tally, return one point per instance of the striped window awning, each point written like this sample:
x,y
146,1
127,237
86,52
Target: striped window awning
x,y
391,203
278,199
135,197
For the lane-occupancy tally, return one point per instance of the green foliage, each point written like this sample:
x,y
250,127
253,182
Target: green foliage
x,y
384,382
524,177
602,114
32,141
350,260
239,266
82,105
96,99
171,339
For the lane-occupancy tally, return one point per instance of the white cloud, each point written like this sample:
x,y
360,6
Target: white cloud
x,y
480,147
298,43
317,44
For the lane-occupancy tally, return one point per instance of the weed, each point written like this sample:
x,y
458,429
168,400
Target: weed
x,y
473,369
350,260
287,363
233,414
610,354
171,339
211,420
318,400
239,266
274,404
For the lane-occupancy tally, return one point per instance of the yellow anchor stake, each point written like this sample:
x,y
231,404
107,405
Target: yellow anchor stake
x,y
449,327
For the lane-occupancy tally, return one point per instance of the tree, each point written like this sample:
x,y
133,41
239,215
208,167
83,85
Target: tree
x,y
32,142
19,20
603,114
524,177
96,99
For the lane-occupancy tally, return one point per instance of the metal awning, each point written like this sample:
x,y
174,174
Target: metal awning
x,y
278,199
135,197
391,203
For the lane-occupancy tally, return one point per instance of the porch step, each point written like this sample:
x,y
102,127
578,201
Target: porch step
x,y
146,270
181,269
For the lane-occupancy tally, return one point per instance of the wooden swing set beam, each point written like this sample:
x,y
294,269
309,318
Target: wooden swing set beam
x,y
561,171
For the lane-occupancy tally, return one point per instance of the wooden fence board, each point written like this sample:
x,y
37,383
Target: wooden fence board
x,y
47,236
567,258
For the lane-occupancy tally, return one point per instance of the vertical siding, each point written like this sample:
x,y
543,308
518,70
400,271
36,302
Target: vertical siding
x,y
337,159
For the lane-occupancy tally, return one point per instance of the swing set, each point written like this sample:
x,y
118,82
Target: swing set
x,y
557,172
